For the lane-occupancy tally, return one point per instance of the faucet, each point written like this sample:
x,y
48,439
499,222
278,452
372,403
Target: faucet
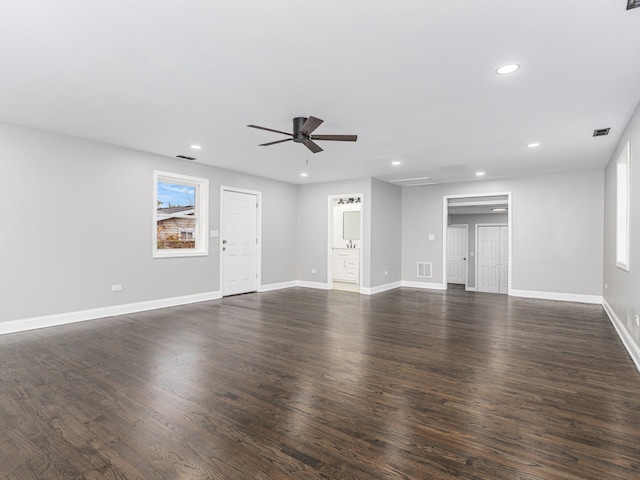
x,y
350,244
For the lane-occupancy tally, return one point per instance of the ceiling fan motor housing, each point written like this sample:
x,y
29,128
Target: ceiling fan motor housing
x,y
299,137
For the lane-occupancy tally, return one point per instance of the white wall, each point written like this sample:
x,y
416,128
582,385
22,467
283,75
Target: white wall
x,y
77,218
623,288
557,230
338,223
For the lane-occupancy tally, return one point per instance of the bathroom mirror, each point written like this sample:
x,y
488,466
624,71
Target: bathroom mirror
x,y
351,225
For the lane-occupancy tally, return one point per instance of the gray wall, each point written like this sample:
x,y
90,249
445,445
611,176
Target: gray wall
x,y
386,233
77,218
471,221
623,288
557,229
313,230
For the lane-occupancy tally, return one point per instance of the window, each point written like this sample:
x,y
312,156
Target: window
x,y
623,167
180,215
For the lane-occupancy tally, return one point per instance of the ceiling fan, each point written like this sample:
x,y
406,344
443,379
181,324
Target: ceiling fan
x,y
302,129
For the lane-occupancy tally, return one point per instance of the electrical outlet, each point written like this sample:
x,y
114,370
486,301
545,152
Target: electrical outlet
x,y
637,320
313,270
116,288
386,272
606,286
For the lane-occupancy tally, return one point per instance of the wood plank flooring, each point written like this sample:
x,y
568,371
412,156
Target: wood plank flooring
x,y
311,384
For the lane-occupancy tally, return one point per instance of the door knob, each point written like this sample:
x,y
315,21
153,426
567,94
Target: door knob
x,y
224,241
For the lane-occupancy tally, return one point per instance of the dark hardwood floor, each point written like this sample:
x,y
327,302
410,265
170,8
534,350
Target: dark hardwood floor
x,y
310,384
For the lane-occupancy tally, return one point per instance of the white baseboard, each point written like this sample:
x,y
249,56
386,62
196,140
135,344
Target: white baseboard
x,y
565,297
430,286
95,313
318,285
380,288
631,346
277,286
470,289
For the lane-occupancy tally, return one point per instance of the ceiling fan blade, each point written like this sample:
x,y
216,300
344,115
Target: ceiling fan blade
x,y
338,138
310,125
270,130
314,147
273,143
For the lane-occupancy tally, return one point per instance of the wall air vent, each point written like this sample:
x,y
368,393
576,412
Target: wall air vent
x,y
424,269
601,132
414,182
184,157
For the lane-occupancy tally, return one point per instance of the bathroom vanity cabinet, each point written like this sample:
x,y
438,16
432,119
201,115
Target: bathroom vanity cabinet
x,y
346,265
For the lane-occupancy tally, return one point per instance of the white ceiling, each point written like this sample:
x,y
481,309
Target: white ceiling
x,y
414,79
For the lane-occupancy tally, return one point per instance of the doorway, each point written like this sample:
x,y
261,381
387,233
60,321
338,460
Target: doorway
x,y
240,241
472,211
344,271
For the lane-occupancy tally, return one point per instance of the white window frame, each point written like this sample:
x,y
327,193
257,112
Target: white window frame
x,y
201,215
623,194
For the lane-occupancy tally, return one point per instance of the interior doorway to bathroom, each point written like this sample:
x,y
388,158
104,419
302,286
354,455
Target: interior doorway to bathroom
x,y
345,242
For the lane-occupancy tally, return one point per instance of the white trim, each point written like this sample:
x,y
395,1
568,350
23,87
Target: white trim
x,y
426,285
277,286
632,347
471,289
97,313
317,285
564,297
224,188
380,288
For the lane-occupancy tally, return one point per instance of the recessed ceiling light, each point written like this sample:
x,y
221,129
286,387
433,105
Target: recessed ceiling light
x,y
479,174
507,69
499,209
196,147
533,145
304,174
396,162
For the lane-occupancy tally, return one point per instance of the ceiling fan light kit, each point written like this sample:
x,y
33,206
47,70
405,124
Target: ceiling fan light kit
x,y
303,128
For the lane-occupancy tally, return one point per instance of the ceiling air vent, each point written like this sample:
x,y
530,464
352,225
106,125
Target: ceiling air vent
x,y
633,4
185,157
601,132
414,182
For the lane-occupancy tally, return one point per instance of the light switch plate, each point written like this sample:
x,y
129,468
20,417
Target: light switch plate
x,y
432,236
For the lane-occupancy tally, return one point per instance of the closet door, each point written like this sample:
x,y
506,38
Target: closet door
x,y
489,259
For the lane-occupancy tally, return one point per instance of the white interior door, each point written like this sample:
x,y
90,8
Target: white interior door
x,y
239,242
457,254
489,259
504,259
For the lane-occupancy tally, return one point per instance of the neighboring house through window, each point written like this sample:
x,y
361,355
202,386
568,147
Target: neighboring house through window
x,y
181,210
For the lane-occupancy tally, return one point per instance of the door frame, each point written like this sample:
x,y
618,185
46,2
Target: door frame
x,y
258,195
330,201
478,225
466,241
445,222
